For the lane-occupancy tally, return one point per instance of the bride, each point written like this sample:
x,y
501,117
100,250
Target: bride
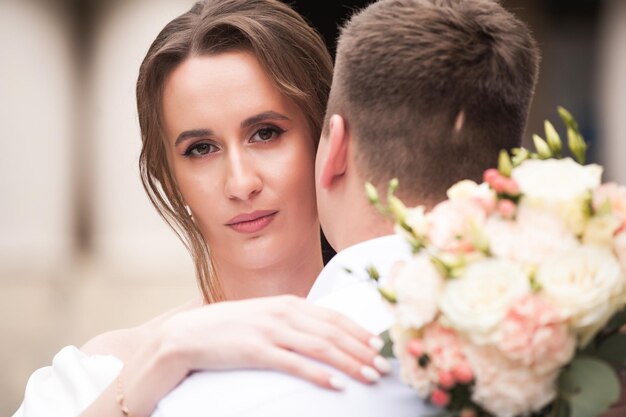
x,y
231,97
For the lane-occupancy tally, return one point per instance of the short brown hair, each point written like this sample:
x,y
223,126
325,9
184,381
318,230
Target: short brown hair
x,y
433,89
290,51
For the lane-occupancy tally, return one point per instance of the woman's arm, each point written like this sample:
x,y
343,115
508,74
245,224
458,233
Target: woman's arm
x,y
270,333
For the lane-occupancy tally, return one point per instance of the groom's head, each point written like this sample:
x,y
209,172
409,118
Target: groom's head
x,y
427,91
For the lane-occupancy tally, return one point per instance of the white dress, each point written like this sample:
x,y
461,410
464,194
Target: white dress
x,y
73,381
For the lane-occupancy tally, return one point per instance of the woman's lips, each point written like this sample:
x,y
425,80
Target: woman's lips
x,y
252,222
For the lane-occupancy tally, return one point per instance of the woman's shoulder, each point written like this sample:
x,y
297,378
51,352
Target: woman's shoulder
x,y
122,343
118,343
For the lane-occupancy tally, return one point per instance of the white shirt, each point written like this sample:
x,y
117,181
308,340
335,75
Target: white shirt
x,y
344,286
69,385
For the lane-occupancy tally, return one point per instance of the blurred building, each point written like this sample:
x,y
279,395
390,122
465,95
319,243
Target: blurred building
x,y
82,250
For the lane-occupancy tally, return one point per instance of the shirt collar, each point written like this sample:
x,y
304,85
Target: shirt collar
x,y
350,265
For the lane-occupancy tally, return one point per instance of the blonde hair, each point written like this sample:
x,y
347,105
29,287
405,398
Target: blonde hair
x,y
290,51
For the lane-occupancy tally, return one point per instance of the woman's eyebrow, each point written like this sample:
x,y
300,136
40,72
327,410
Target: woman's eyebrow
x,y
190,134
272,115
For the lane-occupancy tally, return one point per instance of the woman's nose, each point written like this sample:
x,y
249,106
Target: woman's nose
x,y
243,180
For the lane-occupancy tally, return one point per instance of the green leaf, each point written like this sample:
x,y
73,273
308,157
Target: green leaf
x,y
613,349
617,321
553,139
388,295
387,349
373,273
589,385
442,268
560,408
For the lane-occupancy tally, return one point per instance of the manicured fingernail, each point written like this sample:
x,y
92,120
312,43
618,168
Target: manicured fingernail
x,y
376,343
370,373
337,383
382,364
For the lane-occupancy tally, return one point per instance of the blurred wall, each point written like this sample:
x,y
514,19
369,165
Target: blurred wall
x,y
81,249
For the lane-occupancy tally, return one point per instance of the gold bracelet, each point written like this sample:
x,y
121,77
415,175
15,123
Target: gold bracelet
x,y
121,401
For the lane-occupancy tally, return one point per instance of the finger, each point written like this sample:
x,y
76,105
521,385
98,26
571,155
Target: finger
x,y
348,344
347,325
300,367
322,350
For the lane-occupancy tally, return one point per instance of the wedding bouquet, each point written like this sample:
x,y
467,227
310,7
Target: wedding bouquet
x,y
513,301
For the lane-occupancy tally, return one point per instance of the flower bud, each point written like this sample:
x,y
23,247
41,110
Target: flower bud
x,y
553,139
505,166
415,348
506,209
372,193
440,398
490,175
543,150
463,374
446,380
511,188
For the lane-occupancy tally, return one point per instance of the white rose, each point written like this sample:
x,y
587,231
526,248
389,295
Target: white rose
x,y
534,236
506,388
619,246
560,185
468,189
556,179
417,286
586,285
601,229
477,302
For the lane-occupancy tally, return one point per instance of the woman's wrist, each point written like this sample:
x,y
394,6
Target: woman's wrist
x,y
152,373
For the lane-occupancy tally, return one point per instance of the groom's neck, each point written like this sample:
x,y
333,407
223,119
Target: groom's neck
x,y
360,227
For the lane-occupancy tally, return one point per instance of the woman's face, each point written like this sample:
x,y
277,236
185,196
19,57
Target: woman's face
x,y
243,158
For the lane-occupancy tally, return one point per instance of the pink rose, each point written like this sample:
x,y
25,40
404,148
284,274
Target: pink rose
x,y
612,194
431,359
534,235
445,349
536,336
451,224
506,388
404,344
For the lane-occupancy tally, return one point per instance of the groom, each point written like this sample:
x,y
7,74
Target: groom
x,y
427,91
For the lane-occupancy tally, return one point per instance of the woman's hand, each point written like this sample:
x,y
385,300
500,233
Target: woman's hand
x,y
274,333
266,333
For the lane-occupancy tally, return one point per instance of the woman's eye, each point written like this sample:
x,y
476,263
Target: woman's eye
x,y
266,134
200,149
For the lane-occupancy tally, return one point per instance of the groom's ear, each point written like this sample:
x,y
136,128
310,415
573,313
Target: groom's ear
x,y
334,166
